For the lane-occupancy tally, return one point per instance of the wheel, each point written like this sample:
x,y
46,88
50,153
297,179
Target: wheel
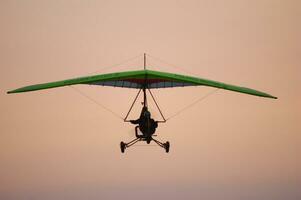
x,y
167,145
122,147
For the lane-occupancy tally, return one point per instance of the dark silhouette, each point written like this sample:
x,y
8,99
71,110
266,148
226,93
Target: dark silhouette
x,y
147,125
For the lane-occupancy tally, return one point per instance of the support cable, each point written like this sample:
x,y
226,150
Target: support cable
x,y
169,64
193,103
118,64
96,102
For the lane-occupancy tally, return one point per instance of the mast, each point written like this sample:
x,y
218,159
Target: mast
x,y
145,79
144,61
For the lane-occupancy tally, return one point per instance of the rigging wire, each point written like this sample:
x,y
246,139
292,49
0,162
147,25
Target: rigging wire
x,y
188,72
96,102
193,103
133,58
171,65
118,64
105,68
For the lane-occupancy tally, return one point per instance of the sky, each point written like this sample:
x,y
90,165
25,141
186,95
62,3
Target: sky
x,y
58,144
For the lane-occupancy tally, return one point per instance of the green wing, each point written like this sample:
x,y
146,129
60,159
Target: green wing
x,y
142,78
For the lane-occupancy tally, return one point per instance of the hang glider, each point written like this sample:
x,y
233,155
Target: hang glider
x,y
143,79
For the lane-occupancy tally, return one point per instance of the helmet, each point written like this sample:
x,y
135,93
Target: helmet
x,y
147,114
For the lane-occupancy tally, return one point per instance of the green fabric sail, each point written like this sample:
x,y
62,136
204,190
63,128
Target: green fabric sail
x,y
142,79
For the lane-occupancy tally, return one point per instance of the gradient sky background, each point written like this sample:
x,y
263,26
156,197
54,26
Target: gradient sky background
x,y
56,144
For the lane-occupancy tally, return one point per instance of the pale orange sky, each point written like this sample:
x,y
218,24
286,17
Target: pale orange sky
x,y
56,144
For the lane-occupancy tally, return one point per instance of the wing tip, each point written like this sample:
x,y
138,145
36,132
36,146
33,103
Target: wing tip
x,y
13,91
271,96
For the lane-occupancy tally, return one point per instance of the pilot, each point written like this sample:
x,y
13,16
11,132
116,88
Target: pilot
x,y
147,125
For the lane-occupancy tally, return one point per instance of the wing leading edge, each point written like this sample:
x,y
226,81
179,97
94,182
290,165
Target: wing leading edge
x,y
143,78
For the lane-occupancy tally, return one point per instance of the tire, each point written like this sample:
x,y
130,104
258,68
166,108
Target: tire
x,y
167,145
122,147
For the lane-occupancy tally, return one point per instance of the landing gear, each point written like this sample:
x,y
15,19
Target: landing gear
x,y
165,145
124,145
147,125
